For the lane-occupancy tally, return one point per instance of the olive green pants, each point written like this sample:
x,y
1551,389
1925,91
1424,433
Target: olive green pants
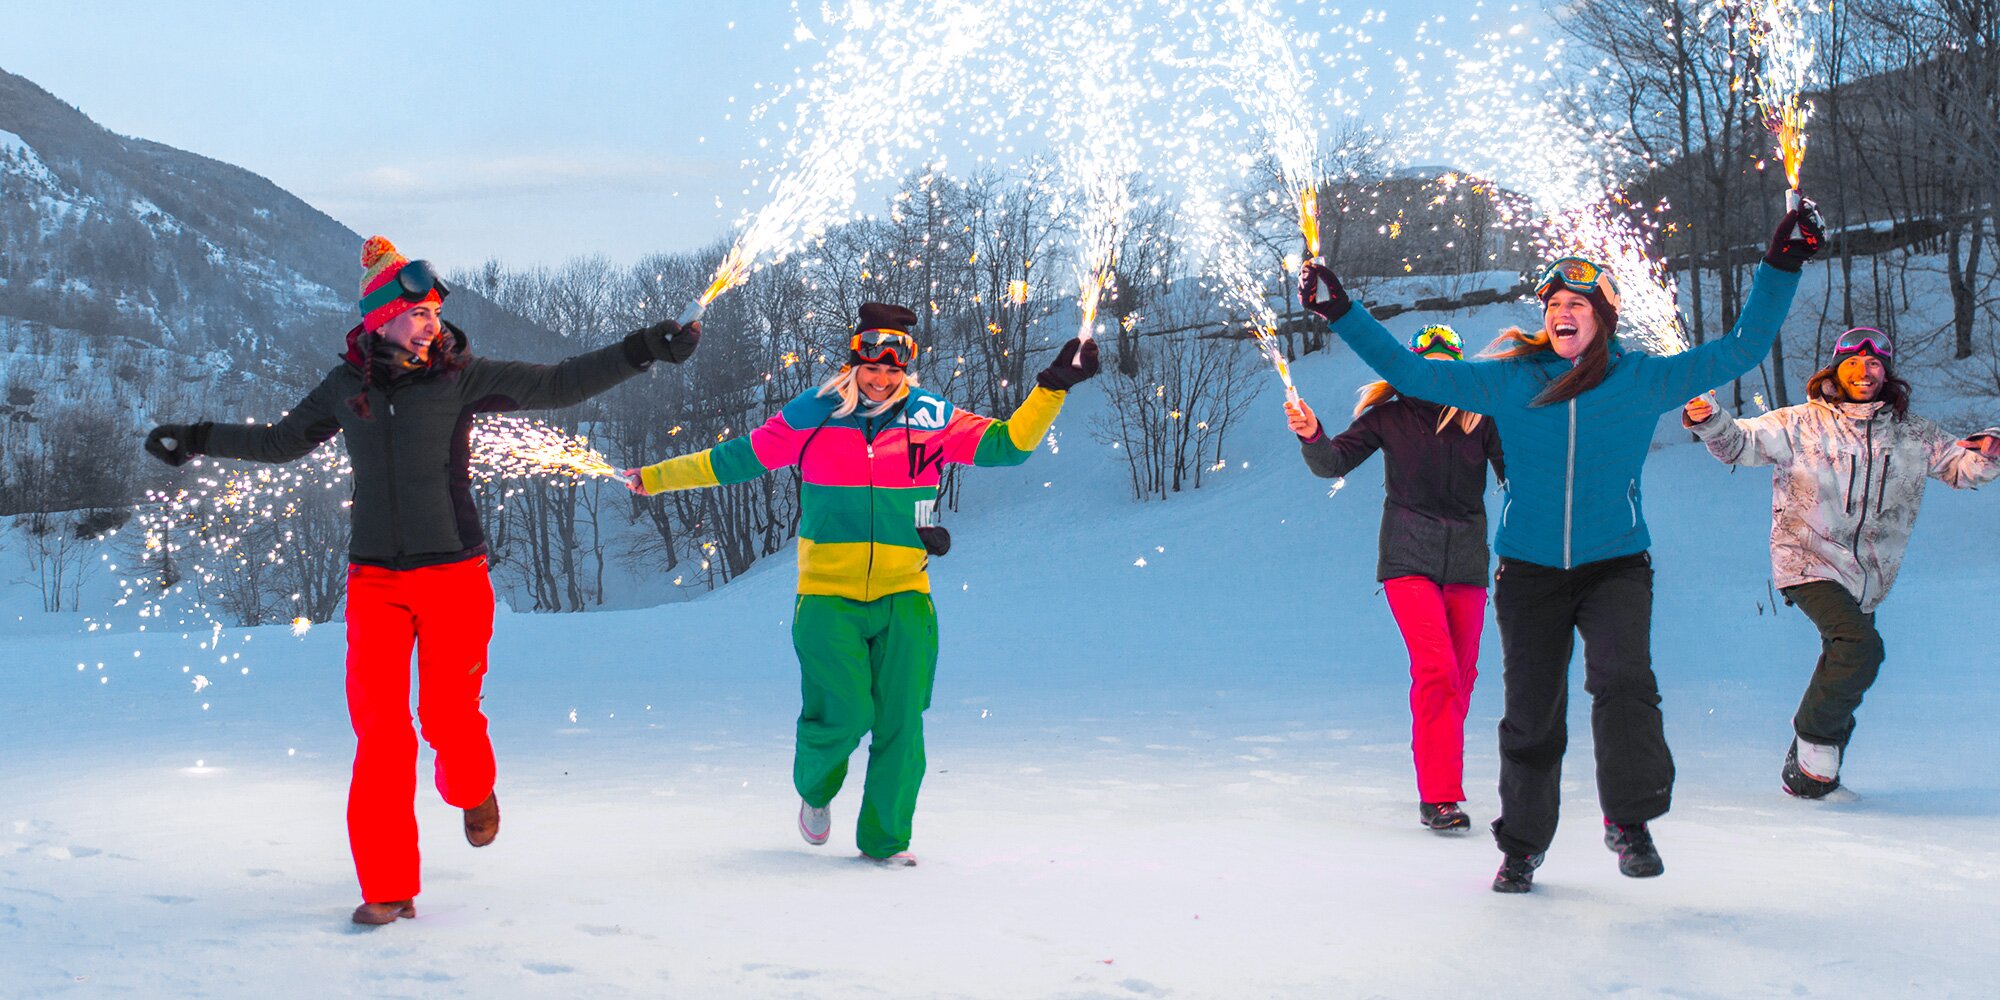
x,y
865,667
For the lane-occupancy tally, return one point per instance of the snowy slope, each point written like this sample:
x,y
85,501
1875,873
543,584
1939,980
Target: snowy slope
x,y
1188,778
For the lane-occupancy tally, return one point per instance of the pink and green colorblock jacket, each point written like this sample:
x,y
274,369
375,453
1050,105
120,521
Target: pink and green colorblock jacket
x,y
864,481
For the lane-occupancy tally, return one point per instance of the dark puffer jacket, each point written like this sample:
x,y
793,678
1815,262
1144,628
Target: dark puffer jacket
x,y
1434,509
412,489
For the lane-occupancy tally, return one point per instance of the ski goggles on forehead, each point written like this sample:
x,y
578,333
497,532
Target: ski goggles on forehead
x,y
1438,338
1865,338
884,347
414,283
1580,276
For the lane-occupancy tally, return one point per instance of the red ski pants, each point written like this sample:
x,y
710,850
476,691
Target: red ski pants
x,y
446,613
1441,626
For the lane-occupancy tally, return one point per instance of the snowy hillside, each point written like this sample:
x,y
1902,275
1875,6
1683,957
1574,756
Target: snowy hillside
x,y
1168,752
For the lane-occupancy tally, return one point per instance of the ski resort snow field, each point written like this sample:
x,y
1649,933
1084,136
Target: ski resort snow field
x,y
1187,778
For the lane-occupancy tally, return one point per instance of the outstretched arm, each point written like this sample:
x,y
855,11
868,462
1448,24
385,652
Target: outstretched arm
x,y
1332,458
1964,464
1702,368
1763,440
295,435
775,445
970,439
1471,386
520,385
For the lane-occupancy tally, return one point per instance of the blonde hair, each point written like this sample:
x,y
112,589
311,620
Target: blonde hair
x,y
843,384
1376,393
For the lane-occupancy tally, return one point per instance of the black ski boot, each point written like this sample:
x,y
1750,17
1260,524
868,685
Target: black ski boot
x,y
1634,846
1800,784
1443,817
1517,872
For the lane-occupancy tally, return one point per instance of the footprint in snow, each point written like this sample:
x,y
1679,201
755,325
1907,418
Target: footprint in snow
x,y
547,968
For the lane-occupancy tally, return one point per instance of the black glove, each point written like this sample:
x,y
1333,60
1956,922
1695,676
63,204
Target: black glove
x,y
663,341
174,444
1064,373
937,541
1320,292
1800,235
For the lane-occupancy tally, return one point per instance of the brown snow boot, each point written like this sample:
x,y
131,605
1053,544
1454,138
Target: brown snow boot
x,y
482,822
385,913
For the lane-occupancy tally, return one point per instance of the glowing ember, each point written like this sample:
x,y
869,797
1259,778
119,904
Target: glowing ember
x,y
301,625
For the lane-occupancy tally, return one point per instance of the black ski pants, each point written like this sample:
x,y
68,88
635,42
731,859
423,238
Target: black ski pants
x,y
1850,655
1541,610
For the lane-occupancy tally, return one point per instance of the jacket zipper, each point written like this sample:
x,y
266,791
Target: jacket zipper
x,y
1569,484
389,450
1632,500
1868,458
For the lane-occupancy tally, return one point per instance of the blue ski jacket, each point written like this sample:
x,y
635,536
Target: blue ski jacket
x,y
1574,468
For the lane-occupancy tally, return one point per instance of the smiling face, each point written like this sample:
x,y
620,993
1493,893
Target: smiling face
x,y
1860,376
878,382
415,329
1570,322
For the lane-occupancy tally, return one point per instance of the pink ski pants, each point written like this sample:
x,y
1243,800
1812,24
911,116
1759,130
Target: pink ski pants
x,y
1441,626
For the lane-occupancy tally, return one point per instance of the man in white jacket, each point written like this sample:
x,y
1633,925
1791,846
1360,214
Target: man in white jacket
x,y
1849,470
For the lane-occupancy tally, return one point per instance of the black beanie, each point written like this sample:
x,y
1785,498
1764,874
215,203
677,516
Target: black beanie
x,y
883,316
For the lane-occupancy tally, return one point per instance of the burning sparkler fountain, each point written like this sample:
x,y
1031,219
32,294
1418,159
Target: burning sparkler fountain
x,y
1784,63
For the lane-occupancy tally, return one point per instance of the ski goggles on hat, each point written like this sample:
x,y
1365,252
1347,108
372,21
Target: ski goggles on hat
x,y
1865,338
414,283
1580,276
883,347
1438,338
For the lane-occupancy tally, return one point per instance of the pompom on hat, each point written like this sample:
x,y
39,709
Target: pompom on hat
x,y
382,297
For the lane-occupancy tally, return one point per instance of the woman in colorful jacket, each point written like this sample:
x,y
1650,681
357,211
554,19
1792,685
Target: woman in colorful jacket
x,y
1577,411
869,445
1849,467
1433,559
405,394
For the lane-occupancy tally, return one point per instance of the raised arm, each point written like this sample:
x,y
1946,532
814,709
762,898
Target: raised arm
x,y
295,435
1474,386
970,439
1699,369
520,385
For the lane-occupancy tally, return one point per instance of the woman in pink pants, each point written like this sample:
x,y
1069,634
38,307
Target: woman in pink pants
x,y
1433,554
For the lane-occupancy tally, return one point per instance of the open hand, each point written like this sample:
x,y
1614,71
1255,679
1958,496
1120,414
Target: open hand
x,y
1302,420
1697,411
1985,444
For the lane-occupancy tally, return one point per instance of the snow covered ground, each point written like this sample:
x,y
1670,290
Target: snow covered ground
x,y
1183,779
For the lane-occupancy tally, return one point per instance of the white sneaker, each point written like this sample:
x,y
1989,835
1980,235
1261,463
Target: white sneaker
x,y
815,824
1819,761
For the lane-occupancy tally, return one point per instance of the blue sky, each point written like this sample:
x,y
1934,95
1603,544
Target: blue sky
x,y
530,132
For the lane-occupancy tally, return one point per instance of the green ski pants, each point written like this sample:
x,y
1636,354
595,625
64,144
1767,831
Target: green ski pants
x,y
865,667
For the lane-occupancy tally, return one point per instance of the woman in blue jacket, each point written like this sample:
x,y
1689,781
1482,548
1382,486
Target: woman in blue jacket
x,y
1576,413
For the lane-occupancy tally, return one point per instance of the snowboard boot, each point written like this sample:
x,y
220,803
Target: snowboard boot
x,y
1443,817
1811,769
1634,846
901,859
385,913
815,823
1517,872
482,822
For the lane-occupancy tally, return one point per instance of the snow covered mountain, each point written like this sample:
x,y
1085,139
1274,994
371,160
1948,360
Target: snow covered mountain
x,y
118,237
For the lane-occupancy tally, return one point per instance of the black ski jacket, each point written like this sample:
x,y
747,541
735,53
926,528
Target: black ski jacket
x,y
412,489
1434,509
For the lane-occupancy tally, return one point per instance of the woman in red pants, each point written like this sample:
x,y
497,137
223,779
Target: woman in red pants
x,y
405,394
1433,554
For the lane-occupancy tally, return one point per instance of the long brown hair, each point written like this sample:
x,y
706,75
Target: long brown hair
x,y
1825,384
1376,393
1587,373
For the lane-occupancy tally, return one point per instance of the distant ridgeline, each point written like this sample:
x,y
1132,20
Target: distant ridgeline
x,y
149,283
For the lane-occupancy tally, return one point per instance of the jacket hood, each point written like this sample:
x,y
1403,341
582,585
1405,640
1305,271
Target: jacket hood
x,y
360,342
